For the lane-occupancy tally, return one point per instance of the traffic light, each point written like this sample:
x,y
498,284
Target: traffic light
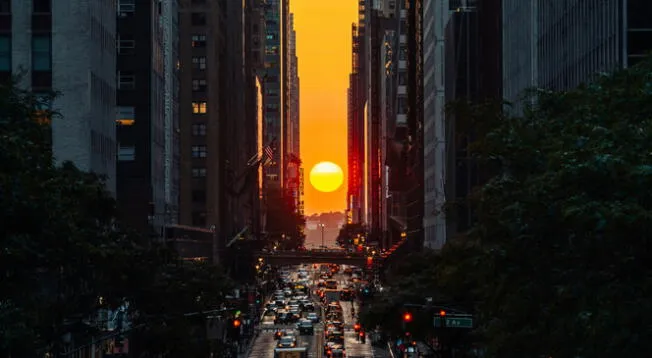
x,y
407,317
442,313
356,327
236,323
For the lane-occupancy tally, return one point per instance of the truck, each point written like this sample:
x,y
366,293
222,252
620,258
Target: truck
x,y
331,295
301,352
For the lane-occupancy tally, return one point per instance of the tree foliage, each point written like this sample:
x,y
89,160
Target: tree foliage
x,y
348,231
557,263
63,257
285,224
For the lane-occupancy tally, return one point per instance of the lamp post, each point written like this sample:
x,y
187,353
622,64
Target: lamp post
x,y
322,235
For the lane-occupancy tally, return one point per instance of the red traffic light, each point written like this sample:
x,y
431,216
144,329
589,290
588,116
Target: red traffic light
x,y
442,313
236,323
407,317
356,326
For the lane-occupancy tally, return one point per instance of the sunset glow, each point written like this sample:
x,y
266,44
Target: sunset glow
x,y
324,51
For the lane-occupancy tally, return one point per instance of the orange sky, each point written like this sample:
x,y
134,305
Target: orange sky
x,y
324,50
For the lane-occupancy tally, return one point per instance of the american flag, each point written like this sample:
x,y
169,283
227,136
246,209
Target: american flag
x,y
268,154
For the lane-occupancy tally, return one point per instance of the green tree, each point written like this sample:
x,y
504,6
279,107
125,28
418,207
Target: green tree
x,y
284,223
558,260
63,257
349,231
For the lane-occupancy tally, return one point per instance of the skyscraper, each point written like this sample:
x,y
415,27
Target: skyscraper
x,y
356,95
201,173
435,17
559,45
274,90
294,146
147,115
42,40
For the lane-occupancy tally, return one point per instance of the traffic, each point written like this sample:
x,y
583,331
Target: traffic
x,y
313,313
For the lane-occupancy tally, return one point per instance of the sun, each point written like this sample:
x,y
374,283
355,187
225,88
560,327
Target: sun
x,y
326,177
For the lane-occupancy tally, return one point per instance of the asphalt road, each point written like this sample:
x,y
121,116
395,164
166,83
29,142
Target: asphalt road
x,y
265,343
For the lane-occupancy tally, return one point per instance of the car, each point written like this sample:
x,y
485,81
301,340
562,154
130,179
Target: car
x,y
305,327
283,317
313,317
282,333
287,342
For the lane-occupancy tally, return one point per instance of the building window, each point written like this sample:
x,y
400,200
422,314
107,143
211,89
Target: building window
x,y
126,80
126,45
199,151
42,6
5,52
126,6
199,63
402,78
41,53
125,116
402,105
199,107
198,40
5,6
199,130
126,153
199,218
199,85
199,196
198,19
402,53
198,172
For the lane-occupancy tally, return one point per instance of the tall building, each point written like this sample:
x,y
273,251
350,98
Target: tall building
x,y
202,167
255,67
294,143
558,45
293,165
42,41
236,141
274,89
147,123
462,60
435,17
356,94
414,194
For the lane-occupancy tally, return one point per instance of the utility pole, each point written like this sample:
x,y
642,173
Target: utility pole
x,y
322,235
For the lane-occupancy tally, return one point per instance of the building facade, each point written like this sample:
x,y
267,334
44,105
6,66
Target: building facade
x,y
274,90
558,45
202,168
356,98
294,126
146,119
41,40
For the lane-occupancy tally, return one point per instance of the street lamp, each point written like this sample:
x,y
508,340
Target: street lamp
x,y
322,235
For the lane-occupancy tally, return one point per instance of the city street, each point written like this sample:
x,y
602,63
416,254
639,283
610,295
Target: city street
x,y
265,343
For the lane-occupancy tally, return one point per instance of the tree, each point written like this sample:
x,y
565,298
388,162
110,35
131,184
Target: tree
x,y
558,260
63,257
348,232
284,223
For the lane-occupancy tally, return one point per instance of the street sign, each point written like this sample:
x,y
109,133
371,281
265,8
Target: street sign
x,y
455,321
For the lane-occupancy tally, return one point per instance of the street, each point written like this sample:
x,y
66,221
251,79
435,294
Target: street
x,y
266,342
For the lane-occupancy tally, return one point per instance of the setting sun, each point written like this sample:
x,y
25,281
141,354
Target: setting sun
x,y
326,177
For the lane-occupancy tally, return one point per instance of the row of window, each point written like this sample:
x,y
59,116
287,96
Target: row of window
x,y
41,53
128,153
